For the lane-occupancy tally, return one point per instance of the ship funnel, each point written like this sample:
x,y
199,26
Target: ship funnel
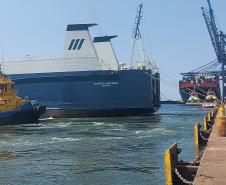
x,y
78,42
106,52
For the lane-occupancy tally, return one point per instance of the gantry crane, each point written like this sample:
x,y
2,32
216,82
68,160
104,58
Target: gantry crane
x,y
218,41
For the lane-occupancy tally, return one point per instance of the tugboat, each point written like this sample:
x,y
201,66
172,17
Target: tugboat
x,y
210,100
193,99
13,109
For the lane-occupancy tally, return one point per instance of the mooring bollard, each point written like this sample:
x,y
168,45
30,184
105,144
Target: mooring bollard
x,y
196,134
221,110
179,172
209,116
171,158
200,136
204,122
221,126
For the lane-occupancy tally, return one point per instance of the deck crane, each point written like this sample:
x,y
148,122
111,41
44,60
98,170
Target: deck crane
x,y
218,41
139,54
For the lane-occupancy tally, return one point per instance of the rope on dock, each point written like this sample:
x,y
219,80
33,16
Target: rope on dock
x,y
182,178
210,125
206,139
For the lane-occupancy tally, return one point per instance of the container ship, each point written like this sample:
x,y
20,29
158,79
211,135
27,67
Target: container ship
x,y
200,81
87,81
200,84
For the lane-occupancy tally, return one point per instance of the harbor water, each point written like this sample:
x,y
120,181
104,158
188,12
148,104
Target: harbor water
x,y
96,151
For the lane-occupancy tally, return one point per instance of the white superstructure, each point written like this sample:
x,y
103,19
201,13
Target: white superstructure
x,y
106,52
80,54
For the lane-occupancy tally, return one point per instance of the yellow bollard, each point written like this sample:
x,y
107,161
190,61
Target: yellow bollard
x,y
221,110
171,158
196,134
221,126
208,116
204,123
168,168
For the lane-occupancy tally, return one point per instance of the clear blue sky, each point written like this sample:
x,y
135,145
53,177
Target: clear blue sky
x,y
177,33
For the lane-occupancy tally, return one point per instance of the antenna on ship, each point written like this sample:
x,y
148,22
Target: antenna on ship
x,y
136,33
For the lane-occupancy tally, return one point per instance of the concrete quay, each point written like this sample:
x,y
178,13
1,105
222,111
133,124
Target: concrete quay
x,y
212,167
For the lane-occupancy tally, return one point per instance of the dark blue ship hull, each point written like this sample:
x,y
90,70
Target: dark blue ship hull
x,y
93,93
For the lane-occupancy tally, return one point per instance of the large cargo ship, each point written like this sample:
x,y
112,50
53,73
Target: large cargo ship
x,y
200,83
87,81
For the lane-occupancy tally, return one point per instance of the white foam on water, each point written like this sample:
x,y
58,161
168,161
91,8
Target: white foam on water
x,y
139,132
151,132
63,124
98,123
162,131
109,138
26,143
55,125
59,140
65,139
141,137
30,143
32,124
46,119
117,129
3,142
115,125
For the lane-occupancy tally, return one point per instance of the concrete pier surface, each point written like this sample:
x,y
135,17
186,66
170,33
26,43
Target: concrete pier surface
x,y
212,169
